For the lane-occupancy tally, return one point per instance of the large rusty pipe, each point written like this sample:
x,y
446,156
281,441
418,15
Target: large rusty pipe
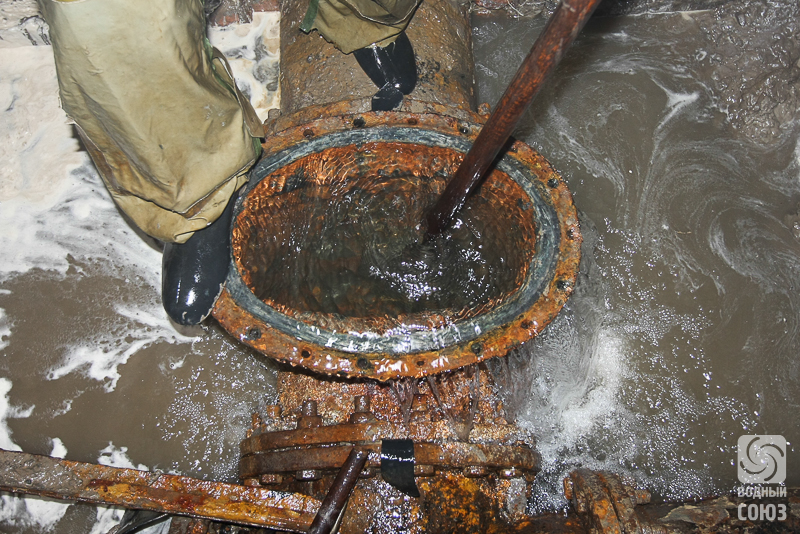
x,y
142,490
562,28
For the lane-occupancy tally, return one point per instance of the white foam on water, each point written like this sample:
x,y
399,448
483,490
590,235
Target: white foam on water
x,y
5,412
26,512
253,53
5,329
114,456
100,358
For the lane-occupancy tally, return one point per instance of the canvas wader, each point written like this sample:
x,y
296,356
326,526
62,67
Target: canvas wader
x,y
354,24
156,107
374,32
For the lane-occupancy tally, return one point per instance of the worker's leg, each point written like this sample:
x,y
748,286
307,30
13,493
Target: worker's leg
x,y
161,118
373,30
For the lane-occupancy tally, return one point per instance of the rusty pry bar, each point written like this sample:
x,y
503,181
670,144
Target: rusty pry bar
x,y
562,28
330,511
129,488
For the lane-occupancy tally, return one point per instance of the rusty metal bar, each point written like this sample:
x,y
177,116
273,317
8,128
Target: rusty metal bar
x,y
98,484
331,508
555,39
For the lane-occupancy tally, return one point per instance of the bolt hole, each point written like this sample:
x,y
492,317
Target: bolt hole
x,y
359,122
476,348
463,129
552,182
571,233
412,121
308,133
254,333
562,285
363,363
420,363
305,354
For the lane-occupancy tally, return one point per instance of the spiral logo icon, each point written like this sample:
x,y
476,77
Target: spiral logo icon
x,y
762,459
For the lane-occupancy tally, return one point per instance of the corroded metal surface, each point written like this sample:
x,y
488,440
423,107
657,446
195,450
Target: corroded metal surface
x,y
607,504
502,327
313,72
129,488
471,475
311,445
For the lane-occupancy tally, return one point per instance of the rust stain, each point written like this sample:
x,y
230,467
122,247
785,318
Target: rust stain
x,y
130,488
249,329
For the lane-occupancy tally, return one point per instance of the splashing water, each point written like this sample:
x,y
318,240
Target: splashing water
x,y
682,333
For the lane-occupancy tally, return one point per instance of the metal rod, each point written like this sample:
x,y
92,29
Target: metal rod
x,y
142,490
562,28
333,505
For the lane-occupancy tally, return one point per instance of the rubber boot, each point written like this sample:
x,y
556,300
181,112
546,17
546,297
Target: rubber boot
x,y
192,273
393,69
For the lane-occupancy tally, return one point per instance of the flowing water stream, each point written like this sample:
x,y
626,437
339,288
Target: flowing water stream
x,y
681,336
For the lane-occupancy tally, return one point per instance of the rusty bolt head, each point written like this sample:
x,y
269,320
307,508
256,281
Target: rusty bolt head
x,y
307,475
641,496
475,471
256,421
251,482
270,479
273,411
309,417
511,472
568,488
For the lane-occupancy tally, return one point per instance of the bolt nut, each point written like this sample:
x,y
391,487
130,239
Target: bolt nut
x,y
270,479
511,472
641,496
256,421
475,471
309,417
361,412
568,488
273,411
307,475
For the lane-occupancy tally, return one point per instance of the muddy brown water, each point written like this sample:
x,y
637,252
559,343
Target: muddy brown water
x,y
681,336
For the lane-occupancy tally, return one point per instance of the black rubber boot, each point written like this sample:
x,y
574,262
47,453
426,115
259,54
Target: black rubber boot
x,y
392,69
192,273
